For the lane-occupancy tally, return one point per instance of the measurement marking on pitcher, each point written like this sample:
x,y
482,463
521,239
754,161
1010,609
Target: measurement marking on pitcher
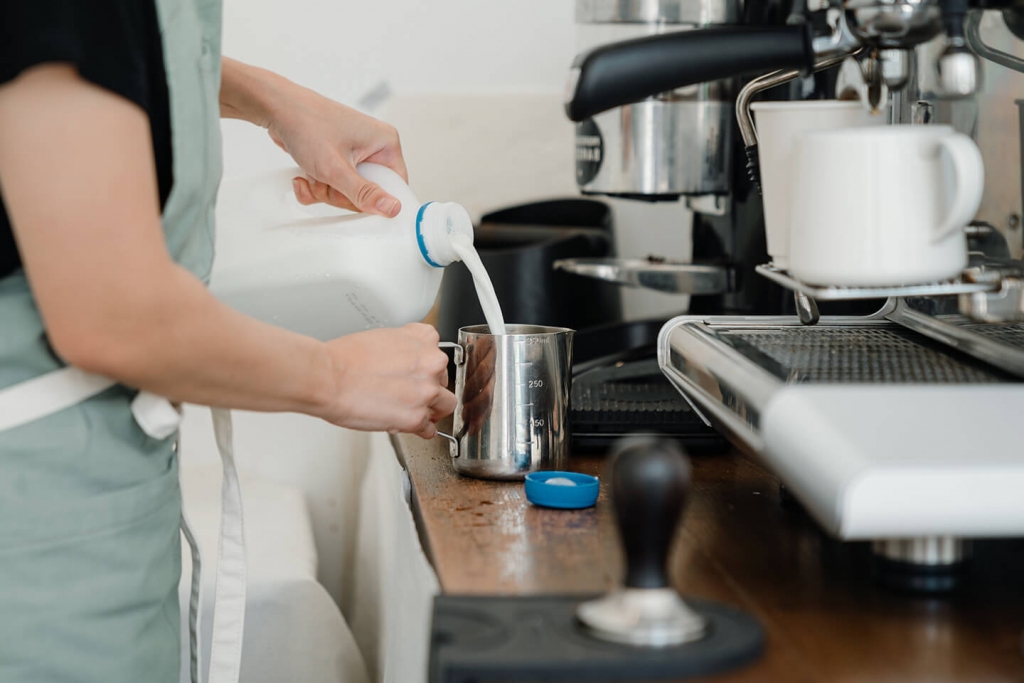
x,y
534,421
527,387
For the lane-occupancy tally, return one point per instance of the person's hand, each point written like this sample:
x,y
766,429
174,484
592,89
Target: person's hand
x,y
325,138
392,380
328,140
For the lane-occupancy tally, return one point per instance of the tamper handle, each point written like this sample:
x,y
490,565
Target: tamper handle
x,y
650,480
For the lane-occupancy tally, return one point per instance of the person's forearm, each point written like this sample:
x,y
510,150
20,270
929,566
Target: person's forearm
x,y
170,336
250,93
327,139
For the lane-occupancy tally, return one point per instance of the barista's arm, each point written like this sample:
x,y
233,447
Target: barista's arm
x,y
78,180
326,139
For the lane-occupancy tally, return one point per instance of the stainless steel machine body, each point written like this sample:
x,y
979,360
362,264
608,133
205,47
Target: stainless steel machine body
x,y
673,143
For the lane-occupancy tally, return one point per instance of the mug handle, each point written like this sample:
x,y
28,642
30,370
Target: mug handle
x,y
968,185
459,357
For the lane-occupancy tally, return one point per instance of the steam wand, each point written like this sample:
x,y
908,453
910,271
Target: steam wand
x,y
806,307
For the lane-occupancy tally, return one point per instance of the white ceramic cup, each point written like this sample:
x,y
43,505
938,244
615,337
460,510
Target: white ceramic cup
x,y
875,207
779,124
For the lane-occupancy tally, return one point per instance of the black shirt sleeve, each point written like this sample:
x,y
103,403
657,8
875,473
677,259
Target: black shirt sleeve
x,y
103,39
115,44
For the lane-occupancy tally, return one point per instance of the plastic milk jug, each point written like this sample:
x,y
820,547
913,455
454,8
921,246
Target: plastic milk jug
x,y
326,272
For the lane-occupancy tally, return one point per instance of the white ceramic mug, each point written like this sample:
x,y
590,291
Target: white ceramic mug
x,y
886,206
779,124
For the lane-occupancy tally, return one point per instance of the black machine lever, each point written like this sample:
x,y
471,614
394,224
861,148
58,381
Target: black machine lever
x,y
630,71
650,480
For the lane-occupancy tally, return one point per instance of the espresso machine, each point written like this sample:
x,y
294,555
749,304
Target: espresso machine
x,y
888,413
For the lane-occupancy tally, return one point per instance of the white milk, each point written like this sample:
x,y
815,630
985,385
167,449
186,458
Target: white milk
x,y
463,246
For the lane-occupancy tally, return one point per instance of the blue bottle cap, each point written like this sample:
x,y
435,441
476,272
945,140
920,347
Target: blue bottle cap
x,y
565,490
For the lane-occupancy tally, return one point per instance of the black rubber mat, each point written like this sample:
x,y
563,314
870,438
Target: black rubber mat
x,y
532,639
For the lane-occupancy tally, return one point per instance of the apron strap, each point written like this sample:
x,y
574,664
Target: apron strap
x,y
47,394
195,600
230,584
229,600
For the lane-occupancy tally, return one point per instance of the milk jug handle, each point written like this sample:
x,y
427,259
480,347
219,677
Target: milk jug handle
x,y
968,183
459,357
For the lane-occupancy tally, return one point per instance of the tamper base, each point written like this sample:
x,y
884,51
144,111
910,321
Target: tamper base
x,y
642,617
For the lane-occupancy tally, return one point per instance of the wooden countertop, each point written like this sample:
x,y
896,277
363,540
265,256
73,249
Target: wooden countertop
x,y
825,619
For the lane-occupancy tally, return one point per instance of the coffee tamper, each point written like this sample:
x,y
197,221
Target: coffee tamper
x,y
649,483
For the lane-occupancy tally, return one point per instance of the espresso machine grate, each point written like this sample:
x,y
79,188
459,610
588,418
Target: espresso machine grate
x,y
875,354
1011,334
633,399
998,344
629,398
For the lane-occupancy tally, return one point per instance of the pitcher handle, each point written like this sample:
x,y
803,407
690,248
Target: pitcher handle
x,y
460,353
453,443
459,357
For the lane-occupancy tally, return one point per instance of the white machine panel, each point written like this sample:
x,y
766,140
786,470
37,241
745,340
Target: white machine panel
x,y
890,461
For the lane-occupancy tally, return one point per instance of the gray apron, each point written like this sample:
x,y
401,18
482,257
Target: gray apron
x,y
90,504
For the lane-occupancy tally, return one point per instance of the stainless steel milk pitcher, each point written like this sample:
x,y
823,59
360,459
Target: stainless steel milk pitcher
x,y
512,416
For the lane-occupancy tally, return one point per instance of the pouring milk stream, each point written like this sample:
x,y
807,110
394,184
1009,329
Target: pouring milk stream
x,y
280,260
463,246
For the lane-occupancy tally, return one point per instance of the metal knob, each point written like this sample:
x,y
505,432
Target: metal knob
x,y
650,481
895,68
959,71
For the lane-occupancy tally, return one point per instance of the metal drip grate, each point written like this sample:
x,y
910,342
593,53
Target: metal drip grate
x,y
1011,334
630,390
875,354
637,398
628,397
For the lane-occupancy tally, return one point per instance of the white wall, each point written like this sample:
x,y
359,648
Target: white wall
x,y
343,47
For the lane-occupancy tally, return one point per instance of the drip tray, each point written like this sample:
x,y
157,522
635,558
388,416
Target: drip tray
x,y
1011,334
632,397
1001,345
879,431
881,353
